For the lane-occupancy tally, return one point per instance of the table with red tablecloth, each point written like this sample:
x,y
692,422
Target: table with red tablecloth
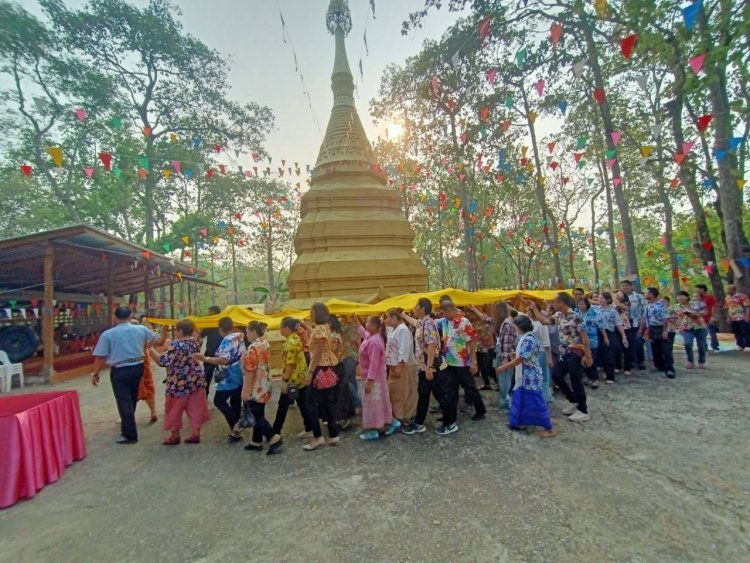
x,y
40,435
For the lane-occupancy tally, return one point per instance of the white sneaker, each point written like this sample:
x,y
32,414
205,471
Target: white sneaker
x,y
567,411
579,416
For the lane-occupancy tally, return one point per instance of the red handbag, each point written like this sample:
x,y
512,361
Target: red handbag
x,y
325,379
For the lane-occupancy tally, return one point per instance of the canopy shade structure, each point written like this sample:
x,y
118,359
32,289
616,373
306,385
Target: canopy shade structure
x,y
83,260
242,315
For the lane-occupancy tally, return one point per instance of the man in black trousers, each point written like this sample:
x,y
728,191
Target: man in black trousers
x,y
122,347
653,328
213,339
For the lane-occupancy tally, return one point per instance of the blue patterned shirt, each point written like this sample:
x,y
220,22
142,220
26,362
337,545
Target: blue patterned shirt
x,y
232,348
610,318
656,313
638,305
529,351
593,321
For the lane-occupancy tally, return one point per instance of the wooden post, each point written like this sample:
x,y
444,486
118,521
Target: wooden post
x,y
48,316
110,294
171,299
146,293
190,299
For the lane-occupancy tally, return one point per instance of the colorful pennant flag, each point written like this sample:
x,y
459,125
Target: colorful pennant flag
x,y
627,45
690,13
56,153
696,63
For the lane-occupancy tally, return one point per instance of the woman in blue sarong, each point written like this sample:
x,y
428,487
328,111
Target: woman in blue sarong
x,y
528,406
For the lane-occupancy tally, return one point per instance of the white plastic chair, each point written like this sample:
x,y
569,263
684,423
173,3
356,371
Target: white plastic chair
x,y
8,370
5,379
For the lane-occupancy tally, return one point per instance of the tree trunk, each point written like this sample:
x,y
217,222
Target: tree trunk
x,y
148,189
571,261
234,268
668,218
593,244
471,274
731,198
440,251
686,174
615,279
269,260
631,259
541,198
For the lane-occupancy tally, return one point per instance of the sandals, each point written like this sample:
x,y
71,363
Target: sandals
x,y
551,433
254,447
194,439
172,441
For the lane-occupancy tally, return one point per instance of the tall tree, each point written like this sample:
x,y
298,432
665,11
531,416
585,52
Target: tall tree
x,y
168,81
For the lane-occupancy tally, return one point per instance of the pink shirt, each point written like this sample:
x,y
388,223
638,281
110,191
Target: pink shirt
x,y
372,356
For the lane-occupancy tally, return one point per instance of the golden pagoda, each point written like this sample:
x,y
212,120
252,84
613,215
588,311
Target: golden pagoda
x,y
353,240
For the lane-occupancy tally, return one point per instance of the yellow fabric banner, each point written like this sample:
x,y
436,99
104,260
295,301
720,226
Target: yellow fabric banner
x,y
242,315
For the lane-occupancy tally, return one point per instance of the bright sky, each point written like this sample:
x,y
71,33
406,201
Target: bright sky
x,y
249,33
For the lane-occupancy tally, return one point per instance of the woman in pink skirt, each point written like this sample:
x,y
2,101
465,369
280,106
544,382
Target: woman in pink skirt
x,y
377,414
185,384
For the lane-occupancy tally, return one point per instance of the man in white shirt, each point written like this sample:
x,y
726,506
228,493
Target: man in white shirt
x,y
402,367
123,348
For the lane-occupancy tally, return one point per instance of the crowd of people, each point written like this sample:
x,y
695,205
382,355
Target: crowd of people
x,y
404,359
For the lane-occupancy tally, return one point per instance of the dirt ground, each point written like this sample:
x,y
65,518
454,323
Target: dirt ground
x,y
660,473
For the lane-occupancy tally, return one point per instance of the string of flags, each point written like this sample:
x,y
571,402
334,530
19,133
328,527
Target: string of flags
x,y
167,168
286,38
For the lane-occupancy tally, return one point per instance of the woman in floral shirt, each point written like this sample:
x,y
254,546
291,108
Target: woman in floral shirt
x,y
185,384
688,318
528,408
294,368
323,396
256,387
738,310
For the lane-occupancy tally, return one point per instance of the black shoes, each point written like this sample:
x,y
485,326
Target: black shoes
x,y
478,416
273,448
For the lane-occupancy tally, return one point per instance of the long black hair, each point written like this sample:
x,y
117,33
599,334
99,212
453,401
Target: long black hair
x,y
378,322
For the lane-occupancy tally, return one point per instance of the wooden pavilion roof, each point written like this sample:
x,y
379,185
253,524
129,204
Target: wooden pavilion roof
x,y
83,258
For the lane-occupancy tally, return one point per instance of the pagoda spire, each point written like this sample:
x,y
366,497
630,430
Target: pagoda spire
x,y
345,138
353,241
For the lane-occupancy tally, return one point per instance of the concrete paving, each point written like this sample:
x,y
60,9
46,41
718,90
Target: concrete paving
x,y
660,473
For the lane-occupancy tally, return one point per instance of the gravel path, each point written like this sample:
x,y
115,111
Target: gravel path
x,y
660,473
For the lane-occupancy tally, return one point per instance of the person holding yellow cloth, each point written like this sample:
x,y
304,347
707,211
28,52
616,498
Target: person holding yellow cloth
x,y
402,367
293,376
